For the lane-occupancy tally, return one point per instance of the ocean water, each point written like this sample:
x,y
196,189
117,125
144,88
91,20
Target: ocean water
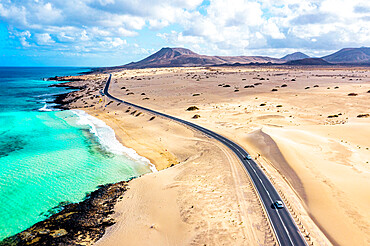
x,y
48,157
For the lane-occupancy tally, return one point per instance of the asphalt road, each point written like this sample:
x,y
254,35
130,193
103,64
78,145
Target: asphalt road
x,y
286,231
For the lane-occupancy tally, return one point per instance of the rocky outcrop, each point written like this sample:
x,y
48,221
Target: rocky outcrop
x,y
80,223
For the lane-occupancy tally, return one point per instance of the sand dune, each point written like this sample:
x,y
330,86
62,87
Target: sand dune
x,y
306,134
334,175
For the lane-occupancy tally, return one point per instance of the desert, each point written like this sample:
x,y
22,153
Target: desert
x,y
310,134
191,123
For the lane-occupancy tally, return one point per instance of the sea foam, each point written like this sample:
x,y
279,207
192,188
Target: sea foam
x,y
107,138
49,107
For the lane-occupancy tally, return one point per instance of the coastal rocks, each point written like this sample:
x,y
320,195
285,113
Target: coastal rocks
x,y
80,223
67,78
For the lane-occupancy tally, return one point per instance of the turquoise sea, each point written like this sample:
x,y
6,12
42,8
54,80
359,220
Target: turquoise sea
x,y
48,157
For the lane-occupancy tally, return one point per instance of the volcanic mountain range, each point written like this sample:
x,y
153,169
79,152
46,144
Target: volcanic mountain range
x,y
181,57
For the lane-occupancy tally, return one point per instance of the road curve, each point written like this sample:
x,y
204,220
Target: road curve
x,y
286,231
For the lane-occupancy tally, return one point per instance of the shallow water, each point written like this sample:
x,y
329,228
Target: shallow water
x,y
49,157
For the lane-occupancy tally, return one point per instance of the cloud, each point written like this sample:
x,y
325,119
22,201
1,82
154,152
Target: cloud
x,y
86,23
44,39
245,25
210,27
23,38
316,18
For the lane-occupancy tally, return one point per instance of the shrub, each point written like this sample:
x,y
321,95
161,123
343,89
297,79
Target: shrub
x,y
352,94
192,108
196,116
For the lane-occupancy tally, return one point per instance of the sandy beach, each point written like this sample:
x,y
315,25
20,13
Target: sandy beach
x,y
204,198
307,127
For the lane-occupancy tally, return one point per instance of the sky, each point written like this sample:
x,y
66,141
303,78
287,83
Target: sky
x,y
116,32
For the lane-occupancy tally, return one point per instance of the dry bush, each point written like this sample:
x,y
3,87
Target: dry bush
x,y
192,108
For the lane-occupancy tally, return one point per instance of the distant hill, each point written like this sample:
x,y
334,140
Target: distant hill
x,y
181,57
308,62
295,56
350,56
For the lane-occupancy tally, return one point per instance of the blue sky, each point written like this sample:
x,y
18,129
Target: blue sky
x,y
115,32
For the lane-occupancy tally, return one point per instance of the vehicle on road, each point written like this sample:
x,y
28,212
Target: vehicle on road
x,y
278,204
248,157
287,232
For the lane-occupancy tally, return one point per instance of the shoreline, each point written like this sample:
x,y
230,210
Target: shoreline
x,y
108,140
190,156
80,222
166,144
76,223
292,102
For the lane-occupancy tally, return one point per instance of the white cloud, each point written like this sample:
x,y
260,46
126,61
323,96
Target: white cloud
x,y
44,39
221,27
245,26
23,38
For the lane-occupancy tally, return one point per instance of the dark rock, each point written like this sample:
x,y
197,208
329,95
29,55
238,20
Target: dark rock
x,y
80,223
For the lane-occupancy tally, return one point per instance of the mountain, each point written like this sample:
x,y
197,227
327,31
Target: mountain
x,y
295,56
181,57
308,62
350,56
